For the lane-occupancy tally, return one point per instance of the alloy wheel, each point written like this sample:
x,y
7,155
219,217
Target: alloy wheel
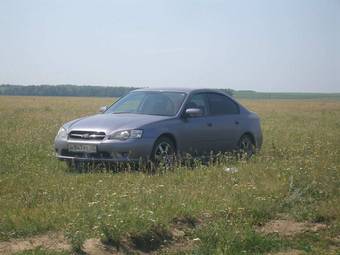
x,y
164,154
246,146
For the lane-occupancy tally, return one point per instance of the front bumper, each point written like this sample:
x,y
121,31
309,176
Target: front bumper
x,y
130,150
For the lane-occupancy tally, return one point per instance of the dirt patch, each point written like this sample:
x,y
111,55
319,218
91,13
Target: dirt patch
x,y
96,247
289,227
152,239
49,241
290,252
158,240
179,246
336,240
176,238
335,243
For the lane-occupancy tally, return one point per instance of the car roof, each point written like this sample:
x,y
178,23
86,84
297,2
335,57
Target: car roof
x,y
184,90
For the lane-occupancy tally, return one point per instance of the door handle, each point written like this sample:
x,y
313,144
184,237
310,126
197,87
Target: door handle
x,y
209,124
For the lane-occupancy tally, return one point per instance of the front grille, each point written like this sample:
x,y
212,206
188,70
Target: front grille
x,y
86,135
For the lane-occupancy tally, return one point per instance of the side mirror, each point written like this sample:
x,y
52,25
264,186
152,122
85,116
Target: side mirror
x,y
193,112
103,109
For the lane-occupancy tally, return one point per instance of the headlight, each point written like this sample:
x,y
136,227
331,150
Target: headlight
x,y
126,134
62,133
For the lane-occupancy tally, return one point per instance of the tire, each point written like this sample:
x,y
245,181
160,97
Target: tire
x,y
246,147
163,153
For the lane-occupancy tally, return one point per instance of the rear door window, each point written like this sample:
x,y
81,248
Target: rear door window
x,y
221,105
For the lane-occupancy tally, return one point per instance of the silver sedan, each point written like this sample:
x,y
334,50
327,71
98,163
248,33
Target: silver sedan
x,y
153,124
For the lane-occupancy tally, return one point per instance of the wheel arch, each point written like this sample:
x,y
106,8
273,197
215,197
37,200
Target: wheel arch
x,y
251,135
171,137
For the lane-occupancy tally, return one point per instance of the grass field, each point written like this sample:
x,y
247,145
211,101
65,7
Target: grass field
x,y
205,210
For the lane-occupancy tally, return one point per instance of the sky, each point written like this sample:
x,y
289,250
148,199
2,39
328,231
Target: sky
x,y
262,45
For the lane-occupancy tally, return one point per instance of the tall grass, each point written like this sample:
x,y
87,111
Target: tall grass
x,y
296,173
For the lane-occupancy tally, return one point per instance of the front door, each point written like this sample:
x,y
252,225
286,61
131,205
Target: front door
x,y
195,133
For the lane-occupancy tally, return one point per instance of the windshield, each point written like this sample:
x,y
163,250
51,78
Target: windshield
x,y
149,102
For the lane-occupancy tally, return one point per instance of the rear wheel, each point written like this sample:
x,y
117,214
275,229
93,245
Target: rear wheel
x,y
246,146
163,153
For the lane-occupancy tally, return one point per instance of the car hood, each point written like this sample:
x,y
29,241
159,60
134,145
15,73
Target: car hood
x,y
112,122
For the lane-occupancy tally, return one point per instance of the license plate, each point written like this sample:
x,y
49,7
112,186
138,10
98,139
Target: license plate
x,y
89,148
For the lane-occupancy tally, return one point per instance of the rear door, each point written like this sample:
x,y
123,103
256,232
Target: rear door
x,y
224,121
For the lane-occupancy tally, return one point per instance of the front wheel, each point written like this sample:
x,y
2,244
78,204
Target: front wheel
x,y
163,153
246,146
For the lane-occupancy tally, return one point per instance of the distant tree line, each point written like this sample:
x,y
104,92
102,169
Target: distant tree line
x,y
230,92
69,90
100,91
63,90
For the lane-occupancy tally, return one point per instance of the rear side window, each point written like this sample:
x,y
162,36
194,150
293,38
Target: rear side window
x,y
222,105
